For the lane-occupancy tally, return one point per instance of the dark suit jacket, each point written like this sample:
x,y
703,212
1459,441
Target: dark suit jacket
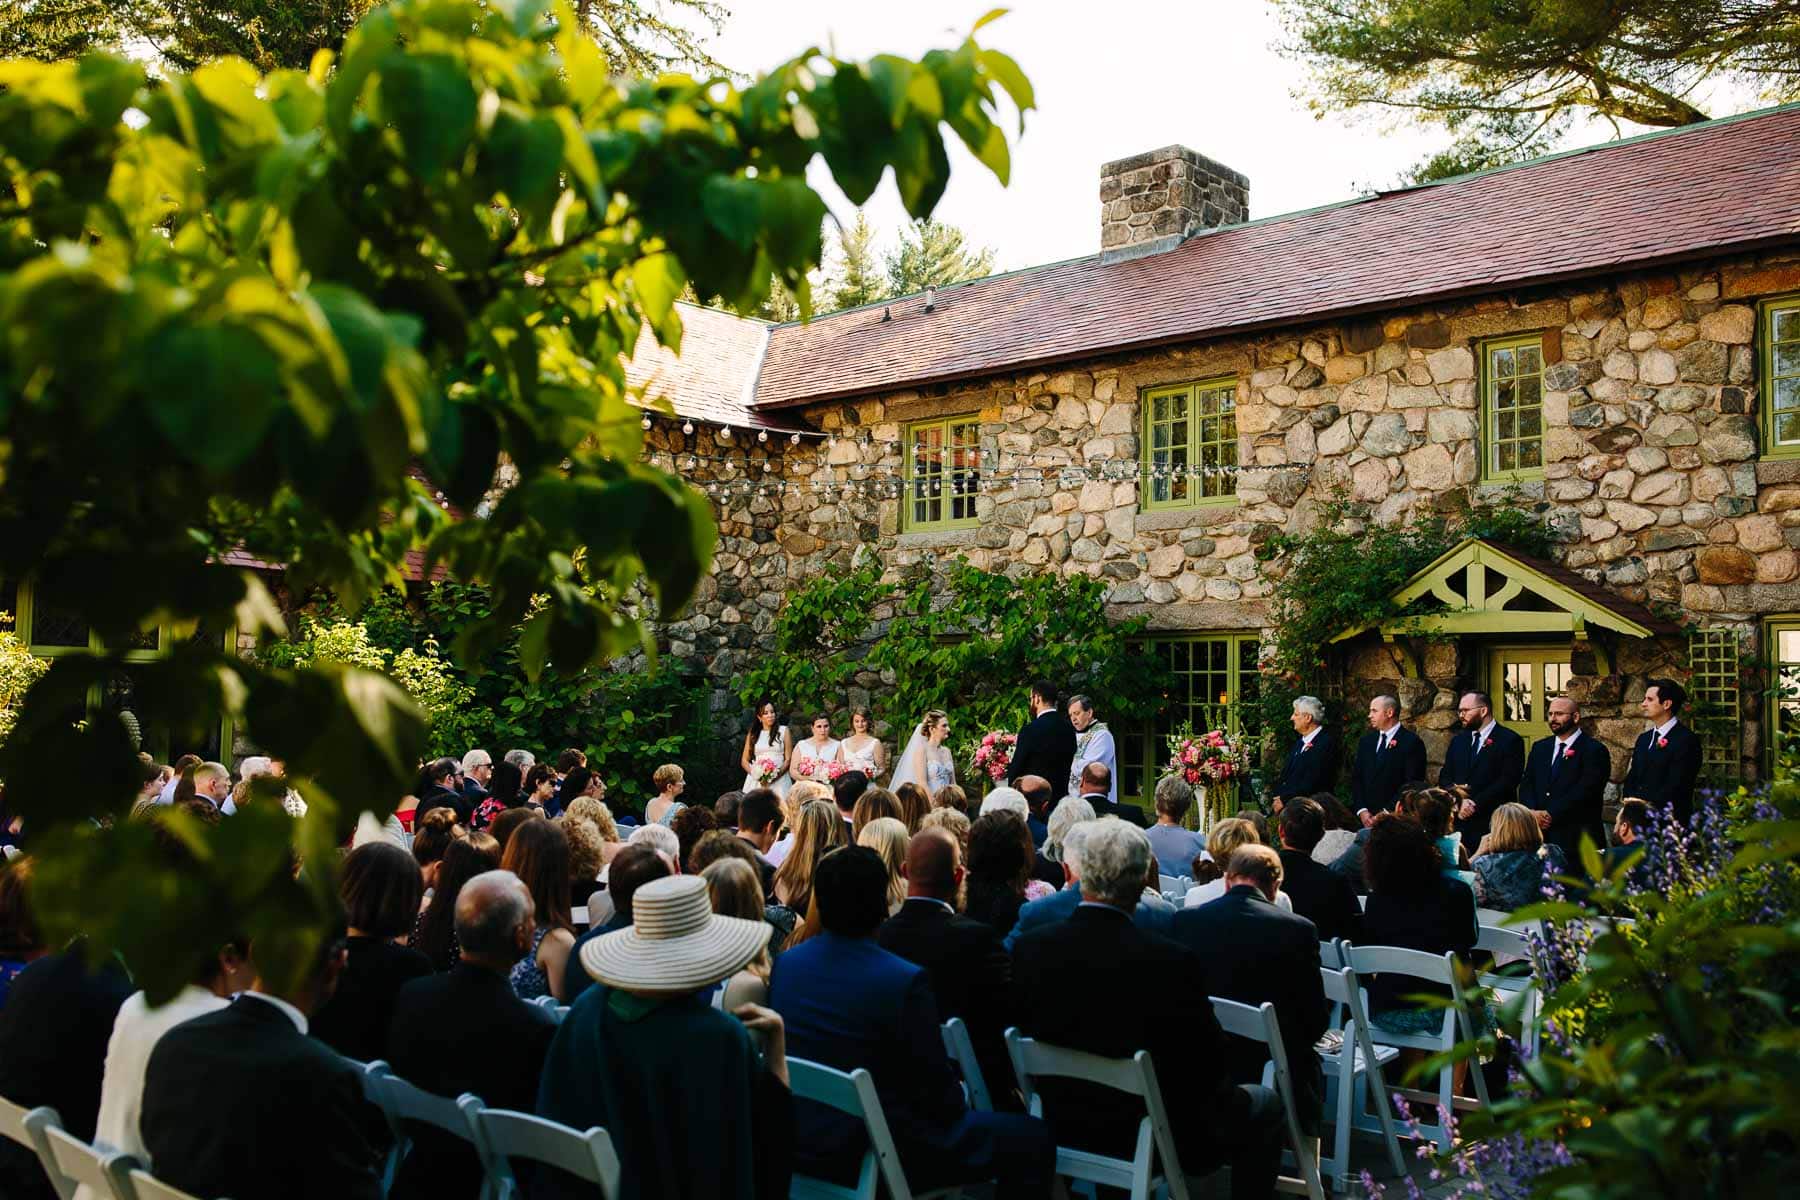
x,y
1310,770
969,975
1438,917
1491,774
1573,793
1117,808
354,1022
240,1103
1046,747
1054,909
1376,778
1069,977
1251,951
1321,895
463,1031
53,1035
443,797
1664,776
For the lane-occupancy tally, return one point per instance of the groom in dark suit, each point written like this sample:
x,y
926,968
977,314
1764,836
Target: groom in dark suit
x,y
1665,763
1565,783
1485,759
1046,744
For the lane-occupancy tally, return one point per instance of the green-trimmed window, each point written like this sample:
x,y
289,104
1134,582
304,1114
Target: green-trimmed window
x,y
1215,687
1781,375
1190,444
1512,408
943,473
1715,660
1781,641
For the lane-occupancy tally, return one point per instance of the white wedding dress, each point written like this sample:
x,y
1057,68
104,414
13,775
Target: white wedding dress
x,y
938,765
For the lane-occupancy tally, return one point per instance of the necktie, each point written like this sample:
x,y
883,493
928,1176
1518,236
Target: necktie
x,y
1381,744
1556,754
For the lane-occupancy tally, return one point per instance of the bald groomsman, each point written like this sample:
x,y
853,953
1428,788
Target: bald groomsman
x,y
1565,783
1484,761
1388,757
1665,763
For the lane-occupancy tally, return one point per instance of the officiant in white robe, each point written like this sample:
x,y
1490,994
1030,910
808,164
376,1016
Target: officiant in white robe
x,y
1093,743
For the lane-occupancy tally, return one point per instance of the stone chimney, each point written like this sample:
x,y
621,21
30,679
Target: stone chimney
x,y
1153,202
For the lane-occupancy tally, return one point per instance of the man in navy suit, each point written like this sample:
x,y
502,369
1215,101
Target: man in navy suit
x,y
1312,764
1565,783
1388,757
847,1003
1485,760
1046,744
1665,763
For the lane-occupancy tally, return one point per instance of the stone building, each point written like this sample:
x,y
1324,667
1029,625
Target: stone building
x,y
1610,335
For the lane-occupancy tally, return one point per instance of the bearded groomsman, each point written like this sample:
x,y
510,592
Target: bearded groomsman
x,y
1565,783
1093,743
1665,763
1484,763
1312,763
1388,757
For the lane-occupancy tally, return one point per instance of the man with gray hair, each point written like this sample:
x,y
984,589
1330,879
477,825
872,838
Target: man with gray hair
x,y
522,759
1149,911
1093,743
1005,799
1068,975
477,770
1312,763
212,782
428,1041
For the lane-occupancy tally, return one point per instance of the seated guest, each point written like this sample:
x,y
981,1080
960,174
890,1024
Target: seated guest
x,y
677,1082
1319,894
441,787
53,1035
539,791
735,892
20,942
635,866
380,889
952,821
1341,828
670,781
428,1042
1040,797
817,831
1513,863
1152,913
507,823
759,820
886,836
874,804
1000,858
539,855
596,813
690,825
1175,846
241,1102
847,789
963,959
1069,812
1068,976
586,857
660,838
431,838
1415,905
1631,832
726,809
1435,809
1252,951
434,934
1222,840
951,796
1006,799
848,1003
914,804
1096,789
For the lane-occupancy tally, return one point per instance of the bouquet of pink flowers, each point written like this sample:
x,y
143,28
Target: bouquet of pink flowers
x,y
993,754
767,770
833,770
1206,758
813,768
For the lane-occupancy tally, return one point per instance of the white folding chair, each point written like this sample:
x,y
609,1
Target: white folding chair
x,y
1441,971
854,1095
28,1127
509,1135
1509,946
1492,916
72,1163
579,916
961,1049
1353,1076
1331,955
1135,1076
401,1101
1259,1025
1174,888
145,1186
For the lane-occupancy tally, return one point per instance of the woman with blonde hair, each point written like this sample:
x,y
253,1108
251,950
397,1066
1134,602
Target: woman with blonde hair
x,y
669,781
585,858
1513,862
797,797
818,831
1222,840
586,808
872,805
952,821
887,837
736,893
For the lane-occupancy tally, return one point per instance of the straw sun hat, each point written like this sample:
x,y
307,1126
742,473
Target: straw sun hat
x,y
676,942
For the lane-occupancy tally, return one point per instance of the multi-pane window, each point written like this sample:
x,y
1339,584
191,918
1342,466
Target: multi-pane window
x,y
1215,687
1715,662
1783,740
1781,373
1512,394
1190,444
943,473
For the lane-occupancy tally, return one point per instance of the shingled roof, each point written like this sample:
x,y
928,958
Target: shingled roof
x,y
713,377
1725,186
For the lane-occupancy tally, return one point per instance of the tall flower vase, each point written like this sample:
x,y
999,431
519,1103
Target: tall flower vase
x,y
1200,815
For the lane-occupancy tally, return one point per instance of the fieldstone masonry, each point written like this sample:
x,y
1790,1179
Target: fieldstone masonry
x,y
1151,202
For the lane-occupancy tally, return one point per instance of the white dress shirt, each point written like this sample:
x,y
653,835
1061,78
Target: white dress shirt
x,y
1662,731
1202,893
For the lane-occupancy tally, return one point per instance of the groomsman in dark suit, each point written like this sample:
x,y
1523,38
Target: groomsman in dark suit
x,y
1485,759
1565,783
1046,744
1312,763
1388,757
1665,763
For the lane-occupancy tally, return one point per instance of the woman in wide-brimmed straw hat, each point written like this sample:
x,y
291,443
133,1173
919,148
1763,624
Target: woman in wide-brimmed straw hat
x,y
646,1055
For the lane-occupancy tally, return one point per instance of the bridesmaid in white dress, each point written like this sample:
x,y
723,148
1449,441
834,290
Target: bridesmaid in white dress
x,y
862,750
766,739
810,756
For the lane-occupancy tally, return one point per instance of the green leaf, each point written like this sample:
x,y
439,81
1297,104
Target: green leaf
x,y
430,102
657,279
989,17
214,391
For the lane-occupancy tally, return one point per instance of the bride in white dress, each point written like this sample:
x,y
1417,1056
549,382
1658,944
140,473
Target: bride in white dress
x,y
862,750
810,756
766,739
927,761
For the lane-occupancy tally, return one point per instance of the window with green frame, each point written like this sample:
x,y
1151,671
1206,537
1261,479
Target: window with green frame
x,y
1190,444
1781,642
1714,660
1781,375
943,473
1216,687
1512,408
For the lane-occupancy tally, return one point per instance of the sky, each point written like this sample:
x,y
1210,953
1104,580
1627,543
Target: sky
x,y
1112,79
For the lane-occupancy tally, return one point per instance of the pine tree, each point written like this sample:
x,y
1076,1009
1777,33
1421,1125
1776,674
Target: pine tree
x,y
933,254
855,275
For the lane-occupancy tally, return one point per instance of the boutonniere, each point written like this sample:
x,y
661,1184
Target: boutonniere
x,y
1662,743
1305,746
1569,750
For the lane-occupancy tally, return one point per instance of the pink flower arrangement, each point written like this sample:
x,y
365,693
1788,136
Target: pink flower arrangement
x,y
817,768
994,754
767,769
1206,758
833,770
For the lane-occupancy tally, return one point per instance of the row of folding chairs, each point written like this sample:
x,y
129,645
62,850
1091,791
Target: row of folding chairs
x,y
70,1163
